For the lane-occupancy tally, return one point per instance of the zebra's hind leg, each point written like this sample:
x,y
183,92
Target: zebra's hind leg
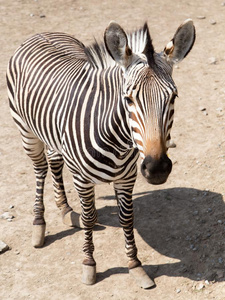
x,y
124,198
34,148
56,163
89,218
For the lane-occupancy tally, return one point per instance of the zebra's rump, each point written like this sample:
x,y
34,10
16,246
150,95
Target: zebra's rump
x,y
66,44
41,76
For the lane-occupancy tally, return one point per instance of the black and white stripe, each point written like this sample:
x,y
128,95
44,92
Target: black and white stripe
x,y
93,114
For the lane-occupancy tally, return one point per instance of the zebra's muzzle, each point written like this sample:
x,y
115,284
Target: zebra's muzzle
x,y
156,171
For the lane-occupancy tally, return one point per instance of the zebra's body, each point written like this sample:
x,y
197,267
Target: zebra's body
x,y
91,113
107,141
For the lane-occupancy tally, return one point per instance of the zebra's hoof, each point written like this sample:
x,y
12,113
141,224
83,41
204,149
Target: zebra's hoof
x,y
89,274
38,235
141,278
72,219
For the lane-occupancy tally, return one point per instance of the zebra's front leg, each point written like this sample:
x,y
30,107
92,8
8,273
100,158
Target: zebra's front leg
x,y
124,197
89,218
56,163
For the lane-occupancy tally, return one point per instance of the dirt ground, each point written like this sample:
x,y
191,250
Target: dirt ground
x,y
179,226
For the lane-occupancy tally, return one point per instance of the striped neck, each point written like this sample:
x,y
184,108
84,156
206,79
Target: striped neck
x,y
113,125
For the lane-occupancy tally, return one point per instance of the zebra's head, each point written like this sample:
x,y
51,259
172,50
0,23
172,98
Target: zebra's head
x,y
149,91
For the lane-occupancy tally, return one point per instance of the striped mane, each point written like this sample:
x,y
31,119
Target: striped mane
x,y
99,57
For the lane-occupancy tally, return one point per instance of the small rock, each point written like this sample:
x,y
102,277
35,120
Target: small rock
x,y
212,60
201,17
172,144
202,108
199,286
42,16
3,247
178,291
220,222
6,216
212,22
11,206
193,247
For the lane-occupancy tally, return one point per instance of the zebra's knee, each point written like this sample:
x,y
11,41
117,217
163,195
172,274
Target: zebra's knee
x,y
89,220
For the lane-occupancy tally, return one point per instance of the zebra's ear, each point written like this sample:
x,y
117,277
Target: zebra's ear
x,y
117,44
181,43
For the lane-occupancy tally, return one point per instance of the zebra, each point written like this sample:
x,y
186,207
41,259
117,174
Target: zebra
x,y
97,108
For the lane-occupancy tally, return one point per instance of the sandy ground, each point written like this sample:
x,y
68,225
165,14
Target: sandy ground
x,y
179,226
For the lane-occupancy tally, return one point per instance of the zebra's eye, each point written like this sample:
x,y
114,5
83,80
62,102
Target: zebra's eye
x,y
129,100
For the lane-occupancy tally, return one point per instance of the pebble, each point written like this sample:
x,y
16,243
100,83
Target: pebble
x,y
212,60
11,206
202,108
6,216
201,17
199,286
212,22
178,291
42,16
193,248
172,144
3,247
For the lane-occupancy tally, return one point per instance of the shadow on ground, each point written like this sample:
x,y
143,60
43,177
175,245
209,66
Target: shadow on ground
x,y
181,223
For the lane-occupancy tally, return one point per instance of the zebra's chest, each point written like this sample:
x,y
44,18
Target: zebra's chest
x,y
97,161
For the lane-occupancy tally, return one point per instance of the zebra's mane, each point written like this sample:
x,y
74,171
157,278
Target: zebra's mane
x,y
139,41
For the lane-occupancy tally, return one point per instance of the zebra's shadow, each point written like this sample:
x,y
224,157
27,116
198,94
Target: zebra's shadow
x,y
184,225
